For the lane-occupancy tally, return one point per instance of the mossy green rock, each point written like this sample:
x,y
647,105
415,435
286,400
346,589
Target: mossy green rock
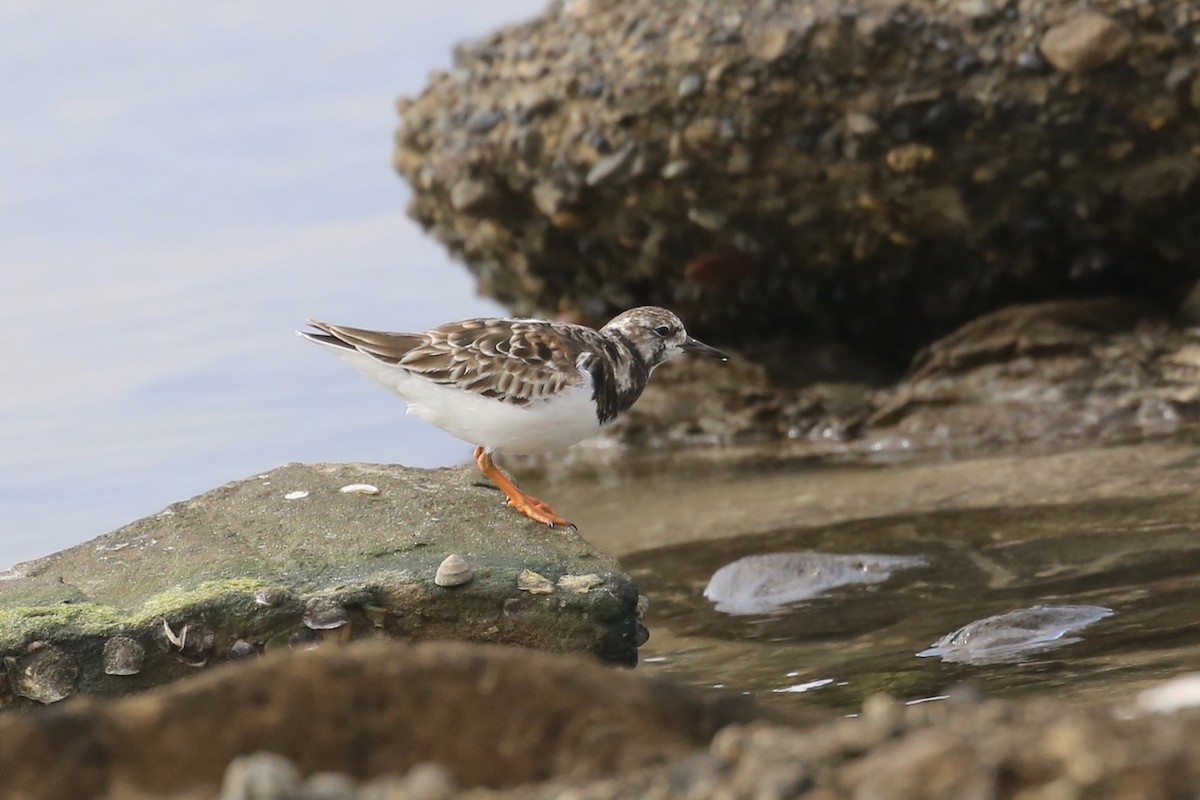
x,y
288,559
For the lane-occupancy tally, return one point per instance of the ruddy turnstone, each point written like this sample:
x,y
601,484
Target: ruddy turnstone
x,y
517,385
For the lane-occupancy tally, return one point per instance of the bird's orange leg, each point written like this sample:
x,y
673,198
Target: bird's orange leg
x,y
529,506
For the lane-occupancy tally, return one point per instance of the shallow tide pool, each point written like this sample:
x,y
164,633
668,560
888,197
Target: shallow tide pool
x,y
1079,576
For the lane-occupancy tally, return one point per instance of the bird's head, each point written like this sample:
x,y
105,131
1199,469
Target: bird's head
x,y
658,335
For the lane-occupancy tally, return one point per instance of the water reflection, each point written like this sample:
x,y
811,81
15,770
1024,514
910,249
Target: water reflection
x,y
760,584
1015,636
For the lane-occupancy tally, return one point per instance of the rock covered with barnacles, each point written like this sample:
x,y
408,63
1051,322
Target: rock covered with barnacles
x,y
876,171
290,559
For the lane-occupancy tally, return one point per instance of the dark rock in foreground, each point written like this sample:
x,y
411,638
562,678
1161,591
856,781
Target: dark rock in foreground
x,y
492,716
300,555
875,171
465,721
965,748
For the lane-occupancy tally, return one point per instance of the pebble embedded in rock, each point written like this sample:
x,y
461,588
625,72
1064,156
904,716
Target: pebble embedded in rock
x,y
690,84
909,157
259,776
615,165
470,195
1085,42
243,649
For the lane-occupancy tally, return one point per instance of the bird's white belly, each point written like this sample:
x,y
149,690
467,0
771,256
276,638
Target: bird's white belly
x,y
505,427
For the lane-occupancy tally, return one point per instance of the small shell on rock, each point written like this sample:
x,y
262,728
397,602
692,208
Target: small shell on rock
x,y
300,495
43,673
534,583
359,488
453,571
580,583
325,614
271,597
643,606
123,656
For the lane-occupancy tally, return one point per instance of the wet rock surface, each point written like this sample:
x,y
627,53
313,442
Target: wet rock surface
x,y
874,172
286,560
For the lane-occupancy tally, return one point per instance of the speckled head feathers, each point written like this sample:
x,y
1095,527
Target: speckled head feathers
x,y
657,334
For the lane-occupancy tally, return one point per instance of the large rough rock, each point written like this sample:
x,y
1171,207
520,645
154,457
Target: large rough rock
x,y
492,716
290,558
878,172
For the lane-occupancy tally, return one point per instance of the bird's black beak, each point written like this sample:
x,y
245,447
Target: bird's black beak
x,y
691,345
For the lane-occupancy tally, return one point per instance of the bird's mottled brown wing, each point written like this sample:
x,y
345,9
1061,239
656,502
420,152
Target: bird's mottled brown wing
x,y
516,361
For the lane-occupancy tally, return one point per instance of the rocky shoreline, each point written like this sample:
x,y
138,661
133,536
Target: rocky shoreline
x,y
939,230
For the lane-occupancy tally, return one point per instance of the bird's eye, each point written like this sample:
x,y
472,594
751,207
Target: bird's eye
x,y
663,330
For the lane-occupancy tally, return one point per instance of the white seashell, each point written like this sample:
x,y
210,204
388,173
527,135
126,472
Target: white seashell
x,y
532,582
295,495
359,488
453,571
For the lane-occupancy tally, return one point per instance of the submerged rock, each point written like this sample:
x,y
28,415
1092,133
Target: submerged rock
x,y
1015,635
244,569
760,584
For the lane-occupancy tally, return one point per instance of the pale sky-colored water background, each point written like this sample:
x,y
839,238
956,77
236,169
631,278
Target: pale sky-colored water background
x,y
181,184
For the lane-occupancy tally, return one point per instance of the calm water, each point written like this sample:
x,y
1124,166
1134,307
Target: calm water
x,y
181,185
1129,567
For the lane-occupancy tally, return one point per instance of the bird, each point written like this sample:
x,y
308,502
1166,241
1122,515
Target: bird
x,y
517,386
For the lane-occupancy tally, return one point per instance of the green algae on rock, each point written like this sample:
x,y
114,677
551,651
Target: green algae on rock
x,y
288,559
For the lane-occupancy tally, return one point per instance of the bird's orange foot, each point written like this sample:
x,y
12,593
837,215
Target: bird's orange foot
x,y
537,510
530,506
